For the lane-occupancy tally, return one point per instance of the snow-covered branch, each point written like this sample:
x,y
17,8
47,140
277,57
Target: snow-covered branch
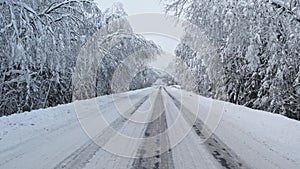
x,y
56,6
293,9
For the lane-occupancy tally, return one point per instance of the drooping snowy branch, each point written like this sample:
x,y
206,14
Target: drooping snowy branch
x,y
257,44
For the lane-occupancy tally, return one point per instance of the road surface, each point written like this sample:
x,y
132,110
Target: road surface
x,y
168,134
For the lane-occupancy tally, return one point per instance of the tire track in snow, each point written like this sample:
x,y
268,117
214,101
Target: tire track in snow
x,y
158,126
79,158
222,153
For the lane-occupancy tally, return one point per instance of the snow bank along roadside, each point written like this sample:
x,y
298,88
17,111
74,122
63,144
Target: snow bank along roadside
x,y
18,128
262,139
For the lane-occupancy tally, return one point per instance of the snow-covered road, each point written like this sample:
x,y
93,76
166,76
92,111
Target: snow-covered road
x,y
159,127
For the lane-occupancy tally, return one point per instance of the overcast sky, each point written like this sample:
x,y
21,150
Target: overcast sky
x,y
134,7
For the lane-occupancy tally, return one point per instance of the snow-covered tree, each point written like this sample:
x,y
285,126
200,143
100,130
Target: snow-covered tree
x,y
257,44
39,44
114,51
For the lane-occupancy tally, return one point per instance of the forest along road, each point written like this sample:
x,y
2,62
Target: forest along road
x,y
172,136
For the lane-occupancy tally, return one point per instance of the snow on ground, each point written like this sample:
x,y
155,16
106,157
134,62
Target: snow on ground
x,y
262,139
17,128
50,134
49,138
189,153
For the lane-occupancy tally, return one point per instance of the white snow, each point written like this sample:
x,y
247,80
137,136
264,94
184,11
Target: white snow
x,y
261,139
43,138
